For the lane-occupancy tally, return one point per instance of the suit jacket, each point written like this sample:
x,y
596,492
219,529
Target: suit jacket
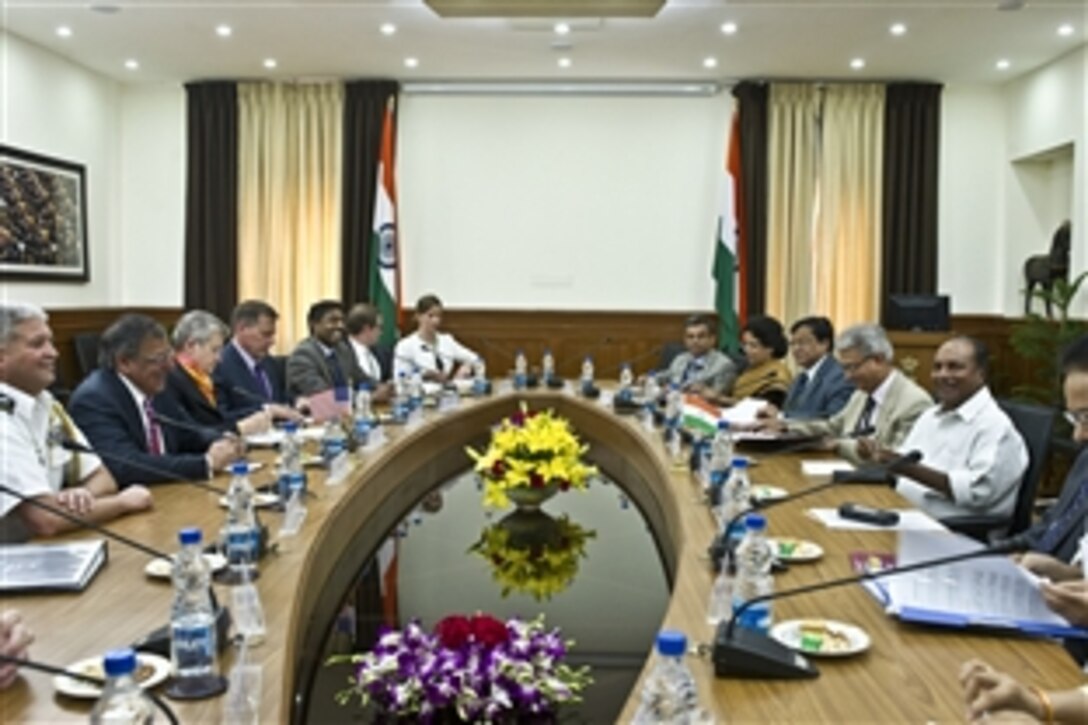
x,y
104,409
308,371
902,405
233,375
182,395
822,396
718,372
1065,547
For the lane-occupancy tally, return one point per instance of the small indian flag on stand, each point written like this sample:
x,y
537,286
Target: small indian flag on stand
x,y
699,416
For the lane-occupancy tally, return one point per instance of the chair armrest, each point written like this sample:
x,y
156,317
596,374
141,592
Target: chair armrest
x,y
980,528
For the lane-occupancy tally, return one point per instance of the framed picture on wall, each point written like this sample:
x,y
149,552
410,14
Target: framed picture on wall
x,y
43,217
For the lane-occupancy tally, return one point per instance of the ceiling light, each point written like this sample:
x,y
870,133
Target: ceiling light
x,y
710,62
1002,64
387,28
562,28
132,64
270,63
1065,29
411,62
898,29
223,31
64,31
564,62
857,63
729,28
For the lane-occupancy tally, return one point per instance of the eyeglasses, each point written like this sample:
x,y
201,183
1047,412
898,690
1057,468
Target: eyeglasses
x,y
1077,417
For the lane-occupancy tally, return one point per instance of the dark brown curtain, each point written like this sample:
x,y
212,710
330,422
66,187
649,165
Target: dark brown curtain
x,y
751,99
364,104
211,198
912,135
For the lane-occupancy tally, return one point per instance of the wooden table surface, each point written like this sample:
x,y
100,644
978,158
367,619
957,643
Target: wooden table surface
x,y
909,674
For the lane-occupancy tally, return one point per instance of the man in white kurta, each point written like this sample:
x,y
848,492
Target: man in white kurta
x,y
973,458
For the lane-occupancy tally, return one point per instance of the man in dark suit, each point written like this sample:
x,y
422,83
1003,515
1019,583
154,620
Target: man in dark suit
x,y
820,389
116,408
324,361
364,327
247,378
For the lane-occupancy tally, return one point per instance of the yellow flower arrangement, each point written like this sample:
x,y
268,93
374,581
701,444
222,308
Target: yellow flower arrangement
x,y
531,449
532,553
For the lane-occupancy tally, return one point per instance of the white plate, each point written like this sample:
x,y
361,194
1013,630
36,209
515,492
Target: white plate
x,y
92,666
802,550
260,500
164,568
763,492
833,639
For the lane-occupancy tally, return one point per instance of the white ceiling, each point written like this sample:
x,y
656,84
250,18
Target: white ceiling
x,y
175,40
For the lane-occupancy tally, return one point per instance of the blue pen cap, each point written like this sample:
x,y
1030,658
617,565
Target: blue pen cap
x,y
671,643
239,468
755,522
119,662
740,462
190,535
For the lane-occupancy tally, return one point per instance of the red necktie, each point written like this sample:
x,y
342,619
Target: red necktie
x,y
154,433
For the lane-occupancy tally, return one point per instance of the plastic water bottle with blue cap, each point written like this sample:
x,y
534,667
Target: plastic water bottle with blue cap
x,y
586,380
122,699
721,461
669,693
290,458
241,536
521,370
547,366
192,619
736,498
754,558
479,377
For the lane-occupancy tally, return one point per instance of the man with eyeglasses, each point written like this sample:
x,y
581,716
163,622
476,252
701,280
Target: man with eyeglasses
x,y
702,368
883,407
116,407
820,388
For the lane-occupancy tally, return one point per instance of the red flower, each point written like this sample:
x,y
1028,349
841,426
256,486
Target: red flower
x,y
489,631
564,484
536,480
518,419
453,631
498,468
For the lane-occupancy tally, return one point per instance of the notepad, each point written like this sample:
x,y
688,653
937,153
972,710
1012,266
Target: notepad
x,y
824,468
63,567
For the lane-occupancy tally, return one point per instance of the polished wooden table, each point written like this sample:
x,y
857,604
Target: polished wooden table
x,y
909,675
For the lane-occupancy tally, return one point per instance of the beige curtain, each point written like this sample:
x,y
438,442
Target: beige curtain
x,y
289,161
792,172
847,252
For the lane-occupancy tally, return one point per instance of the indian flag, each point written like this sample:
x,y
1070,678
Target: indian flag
x,y
384,249
726,267
699,416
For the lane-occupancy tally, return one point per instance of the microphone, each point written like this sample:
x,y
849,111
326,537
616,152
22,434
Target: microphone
x,y
881,473
746,653
75,446
72,674
198,428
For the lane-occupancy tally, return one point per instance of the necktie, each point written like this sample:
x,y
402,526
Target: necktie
x,y
1061,525
694,367
864,425
262,380
337,373
154,433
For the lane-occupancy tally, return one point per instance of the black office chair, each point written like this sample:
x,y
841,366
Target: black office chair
x,y
86,345
669,351
1035,423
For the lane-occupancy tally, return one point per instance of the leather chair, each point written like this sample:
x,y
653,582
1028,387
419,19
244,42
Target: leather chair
x,y
1035,423
86,345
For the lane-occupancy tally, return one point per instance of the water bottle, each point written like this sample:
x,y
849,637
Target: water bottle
x,y
400,398
736,500
547,366
721,461
650,393
669,695
479,377
521,371
122,700
627,380
720,607
290,456
415,390
240,533
361,407
192,619
587,374
754,558
674,403
333,442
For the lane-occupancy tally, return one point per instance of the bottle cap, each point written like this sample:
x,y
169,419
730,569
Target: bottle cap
x,y
290,426
190,535
119,662
740,462
672,643
723,425
239,468
755,522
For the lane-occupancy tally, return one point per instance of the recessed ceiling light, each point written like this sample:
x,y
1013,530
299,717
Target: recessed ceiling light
x,y
857,63
270,63
223,31
132,64
562,28
64,31
1002,64
898,29
104,8
564,62
710,62
387,28
1065,29
411,62
729,28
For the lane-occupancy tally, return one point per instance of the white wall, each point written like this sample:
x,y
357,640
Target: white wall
x,y
561,203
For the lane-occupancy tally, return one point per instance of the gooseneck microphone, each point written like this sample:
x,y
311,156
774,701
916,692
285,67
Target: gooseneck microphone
x,y
745,653
75,446
198,428
98,682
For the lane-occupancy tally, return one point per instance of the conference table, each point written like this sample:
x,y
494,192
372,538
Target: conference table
x,y
908,674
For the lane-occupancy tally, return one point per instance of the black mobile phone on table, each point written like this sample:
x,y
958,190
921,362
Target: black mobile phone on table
x,y
868,514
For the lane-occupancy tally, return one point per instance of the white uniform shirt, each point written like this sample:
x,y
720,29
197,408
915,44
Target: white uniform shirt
x,y
979,450
28,463
412,351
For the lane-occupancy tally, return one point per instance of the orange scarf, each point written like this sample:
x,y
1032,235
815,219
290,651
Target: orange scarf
x,y
201,379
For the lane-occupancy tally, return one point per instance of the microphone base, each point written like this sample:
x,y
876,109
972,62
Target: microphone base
x,y
751,655
196,688
876,475
554,382
158,641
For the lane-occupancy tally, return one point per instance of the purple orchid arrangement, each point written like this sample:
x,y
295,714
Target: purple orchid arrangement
x,y
478,669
